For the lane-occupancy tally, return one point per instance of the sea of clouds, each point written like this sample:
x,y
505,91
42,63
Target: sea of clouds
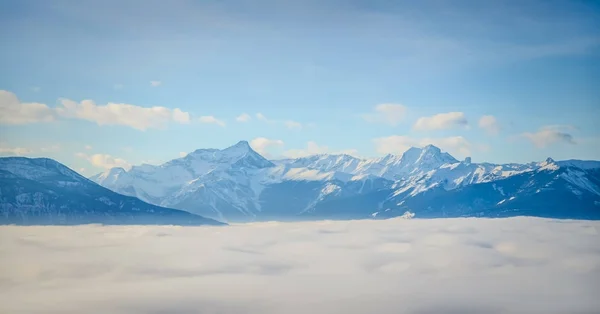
x,y
456,266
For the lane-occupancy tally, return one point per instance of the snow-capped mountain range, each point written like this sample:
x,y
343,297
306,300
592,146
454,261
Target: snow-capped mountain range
x,y
238,184
41,191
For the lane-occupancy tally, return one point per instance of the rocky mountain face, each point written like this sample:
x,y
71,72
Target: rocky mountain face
x,y
43,191
238,184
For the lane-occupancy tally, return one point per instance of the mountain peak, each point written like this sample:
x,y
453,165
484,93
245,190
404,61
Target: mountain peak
x,y
241,147
116,170
242,143
413,150
432,148
424,159
548,164
429,150
236,156
242,155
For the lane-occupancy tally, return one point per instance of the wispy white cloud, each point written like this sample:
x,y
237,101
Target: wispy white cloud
x,y
262,117
137,117
105,161
7,150
49,149
262,145
118,86
13,111
441,121
211,120
290,124
489,124
244,117
418,266
549,135
391,114
88,147
155,83
181,116
182,154
14,151
398,144
36,89
312,148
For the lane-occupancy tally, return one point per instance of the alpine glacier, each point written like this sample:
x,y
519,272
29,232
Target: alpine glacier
x,y
238,184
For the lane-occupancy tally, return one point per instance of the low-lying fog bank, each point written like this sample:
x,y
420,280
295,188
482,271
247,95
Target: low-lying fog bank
x,y
516,265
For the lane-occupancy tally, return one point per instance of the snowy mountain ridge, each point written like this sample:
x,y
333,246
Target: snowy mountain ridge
x,y
43,191
237,183
391,167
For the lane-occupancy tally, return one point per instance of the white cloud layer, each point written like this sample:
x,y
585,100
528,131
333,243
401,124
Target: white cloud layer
x,y
312,148
489,124
492,266
441,121
211,120
391,114
549,135
458,146
262,145
13,111
105,161
155,83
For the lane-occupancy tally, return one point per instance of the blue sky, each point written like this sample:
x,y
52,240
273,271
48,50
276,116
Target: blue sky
x,y
79,78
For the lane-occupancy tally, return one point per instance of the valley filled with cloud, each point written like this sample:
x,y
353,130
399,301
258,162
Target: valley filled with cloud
x,y
515,265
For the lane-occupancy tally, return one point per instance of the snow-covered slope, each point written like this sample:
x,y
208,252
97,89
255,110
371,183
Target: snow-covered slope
x,y
43,191
238,184
325,162
453,175
229,184
220,183
548,191
582,164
